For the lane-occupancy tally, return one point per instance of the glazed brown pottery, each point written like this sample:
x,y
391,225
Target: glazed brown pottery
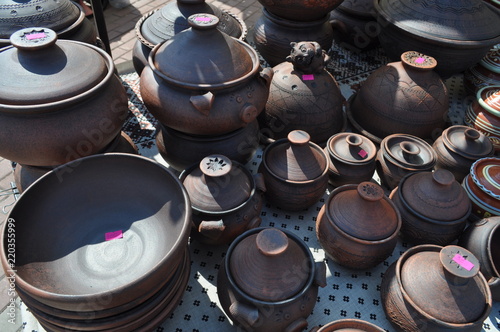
x,y
483,114
295,172
226,199
433,205
431,288
485,73
269,281
459,147
303,95
456,33
348,325
55,110
401,154
204,82
358,225
272,35
482,185
300,10
352,159
482,238
415,100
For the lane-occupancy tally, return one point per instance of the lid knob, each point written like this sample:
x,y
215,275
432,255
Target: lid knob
x,y
410,152
33,38
271,242
472,134
215,165
203,21
459,261
354,140
443,177
370,191
415,60
299,137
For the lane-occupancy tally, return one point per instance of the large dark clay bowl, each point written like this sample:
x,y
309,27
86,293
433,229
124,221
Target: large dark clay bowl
x,y
62,258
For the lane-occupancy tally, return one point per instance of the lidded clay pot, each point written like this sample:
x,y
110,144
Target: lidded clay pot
x,y
485,73
300,10
431,288
269,270
226,199
351,159
295,171
458,147
401,154
203,81
433,205
348,325
358,225
298,81
415,100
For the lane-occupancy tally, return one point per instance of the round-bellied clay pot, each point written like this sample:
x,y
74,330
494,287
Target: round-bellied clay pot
x,y
416,101
295,172
485,73
303,95
348,325
226,199
226,95
434,288
433,205
358,225
300,10
55,110
269,281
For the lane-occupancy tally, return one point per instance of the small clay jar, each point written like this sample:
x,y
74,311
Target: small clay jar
x,y
269,281
482,185
351,159
459,147
295,171
302,78
431,288
348,325
483,114
485,73
358,226
226,199
433,205
401,154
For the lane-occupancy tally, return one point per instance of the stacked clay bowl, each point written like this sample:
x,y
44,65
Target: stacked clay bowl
x,y
100,244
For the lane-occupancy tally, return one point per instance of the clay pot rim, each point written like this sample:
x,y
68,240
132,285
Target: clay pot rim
x,y
406,298
476,180
249,298
371,327
375,139
474,199
205,138
481,101
495,228
293,24
335,156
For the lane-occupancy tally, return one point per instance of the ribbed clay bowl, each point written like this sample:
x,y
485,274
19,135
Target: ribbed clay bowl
x,y
63,222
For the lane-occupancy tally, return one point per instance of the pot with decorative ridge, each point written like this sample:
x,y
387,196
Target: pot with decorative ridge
x,y
485,73
300,10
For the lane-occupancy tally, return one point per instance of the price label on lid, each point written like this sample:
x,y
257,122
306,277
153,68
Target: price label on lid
x,y
202,19
37,35
463,262
308,77
362,153
113,235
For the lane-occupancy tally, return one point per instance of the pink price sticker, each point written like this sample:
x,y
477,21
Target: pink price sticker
x,y
202,19
419,60
460,260
362,153
308,77
113,235
37,35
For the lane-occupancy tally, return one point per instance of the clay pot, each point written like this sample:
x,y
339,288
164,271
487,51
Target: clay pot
x,y
226,199
300,10
416,100
55,110
431,288
351,159
272,35
348,325
482,185
401,154
433,206
182,150
295,171
483,114
459,147
162,24
295,84
226,95
495,3
456,33
485,73
269,281
358,226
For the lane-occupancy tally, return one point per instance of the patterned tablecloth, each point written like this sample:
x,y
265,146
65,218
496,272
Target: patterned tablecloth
x,y
349,293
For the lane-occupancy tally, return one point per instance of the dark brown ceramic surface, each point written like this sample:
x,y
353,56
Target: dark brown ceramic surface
x,y
348,325
300,10
485,73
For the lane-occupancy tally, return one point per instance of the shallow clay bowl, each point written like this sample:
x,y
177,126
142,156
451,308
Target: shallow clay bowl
x,y
62,221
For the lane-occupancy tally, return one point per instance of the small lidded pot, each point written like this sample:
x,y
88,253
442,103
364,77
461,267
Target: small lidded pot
x,y
295,171
431,288
226,199
433,205
269,281
352,159
358,225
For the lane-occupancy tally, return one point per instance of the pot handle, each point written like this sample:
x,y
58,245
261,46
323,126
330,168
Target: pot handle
x,y
339,25
212,229
297,326
320,274
248,113
243,312
267,74
203,103
259,182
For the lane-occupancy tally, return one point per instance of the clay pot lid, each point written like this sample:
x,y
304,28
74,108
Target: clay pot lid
x,y
261,265
435,195
217,184
408,151
485,173
448,279
491,60
204,57
489,99
418,61
351,148
363,211
363,8
467,142
41,69
452,20
296,158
